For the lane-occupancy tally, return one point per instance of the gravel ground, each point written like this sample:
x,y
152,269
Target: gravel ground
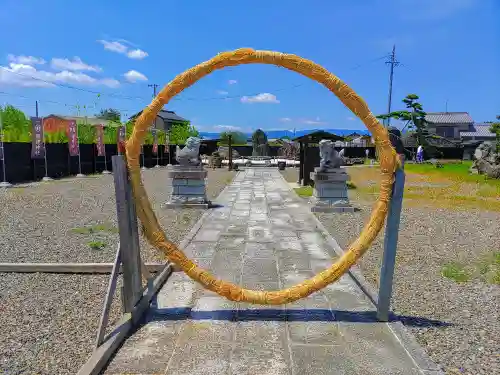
x,y
49,321
428,239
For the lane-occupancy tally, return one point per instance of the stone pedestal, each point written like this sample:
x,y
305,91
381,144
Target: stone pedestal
x,y
330,191
186,187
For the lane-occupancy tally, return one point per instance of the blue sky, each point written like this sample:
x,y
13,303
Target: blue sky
x,y
449,50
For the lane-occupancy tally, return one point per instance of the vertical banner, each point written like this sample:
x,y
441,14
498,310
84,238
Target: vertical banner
x,y
121,135
74,147
167,142
100,141
37,143
154,133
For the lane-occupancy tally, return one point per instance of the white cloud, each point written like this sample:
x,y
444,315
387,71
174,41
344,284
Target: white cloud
x,y
316,121
232,82
285,119
114,46
134,76
26,60
120,46
227,128
110,82
137,54
75,65
260,98
222,92
27,76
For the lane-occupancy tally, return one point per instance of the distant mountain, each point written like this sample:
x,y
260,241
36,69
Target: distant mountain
x,y
273,134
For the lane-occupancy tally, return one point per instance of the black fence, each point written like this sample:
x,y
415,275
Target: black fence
x,y
20,167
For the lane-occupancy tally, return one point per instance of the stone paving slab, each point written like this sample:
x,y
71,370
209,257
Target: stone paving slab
x,y
262,237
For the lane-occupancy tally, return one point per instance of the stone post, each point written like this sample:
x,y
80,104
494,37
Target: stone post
x,y
330,190
186,187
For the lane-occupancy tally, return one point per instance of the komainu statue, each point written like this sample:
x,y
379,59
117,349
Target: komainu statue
x,y
190,154
329,156
486,160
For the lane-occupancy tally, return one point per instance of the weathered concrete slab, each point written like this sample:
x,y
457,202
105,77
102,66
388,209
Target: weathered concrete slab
x,y
263,237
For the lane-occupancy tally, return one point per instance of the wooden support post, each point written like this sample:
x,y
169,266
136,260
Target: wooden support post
x,y
390,247
109,299
129,235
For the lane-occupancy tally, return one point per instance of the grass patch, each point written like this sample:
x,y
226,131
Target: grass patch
x,y
97,245
95,229
304,191
453,171
456,271
486,270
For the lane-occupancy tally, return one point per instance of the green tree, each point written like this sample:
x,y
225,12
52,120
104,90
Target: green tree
x,y
414,117
495,129
237,138
16,126
180,132
109,114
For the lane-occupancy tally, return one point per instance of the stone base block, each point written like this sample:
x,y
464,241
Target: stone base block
x,y
331,205
326,209
334,174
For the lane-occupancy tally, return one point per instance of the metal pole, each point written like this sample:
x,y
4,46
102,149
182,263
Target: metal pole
x,y
390,247
4,182
142,156
105,171
393,63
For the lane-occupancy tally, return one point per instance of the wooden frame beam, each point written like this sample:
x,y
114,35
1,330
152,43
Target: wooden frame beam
x,y
83,268
101,356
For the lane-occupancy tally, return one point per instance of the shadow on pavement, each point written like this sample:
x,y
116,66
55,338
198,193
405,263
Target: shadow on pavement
x,y
290,315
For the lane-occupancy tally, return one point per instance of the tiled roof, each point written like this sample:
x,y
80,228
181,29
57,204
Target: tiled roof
x,y
167,116
478,130
448,118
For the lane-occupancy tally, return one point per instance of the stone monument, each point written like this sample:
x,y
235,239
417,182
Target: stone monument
x,y
486,161
186,181
330,181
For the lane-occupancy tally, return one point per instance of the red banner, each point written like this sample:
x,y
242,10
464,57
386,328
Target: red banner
x,y
37,143
73,145
101,151
154,133
121,135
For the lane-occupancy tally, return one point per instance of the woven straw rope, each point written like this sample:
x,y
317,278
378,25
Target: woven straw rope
x,y
156,236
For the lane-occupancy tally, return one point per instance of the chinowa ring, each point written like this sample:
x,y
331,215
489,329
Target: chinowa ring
x,y
156,236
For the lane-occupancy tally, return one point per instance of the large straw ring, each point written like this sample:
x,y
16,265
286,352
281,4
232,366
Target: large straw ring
x,y
156,236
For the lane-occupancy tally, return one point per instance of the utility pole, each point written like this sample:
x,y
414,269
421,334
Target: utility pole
x,y
393,62
154,86
36,108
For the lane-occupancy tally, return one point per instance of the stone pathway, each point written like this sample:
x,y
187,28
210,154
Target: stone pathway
x,y
264,237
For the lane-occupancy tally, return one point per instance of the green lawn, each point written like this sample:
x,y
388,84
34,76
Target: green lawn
x,y
456,171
